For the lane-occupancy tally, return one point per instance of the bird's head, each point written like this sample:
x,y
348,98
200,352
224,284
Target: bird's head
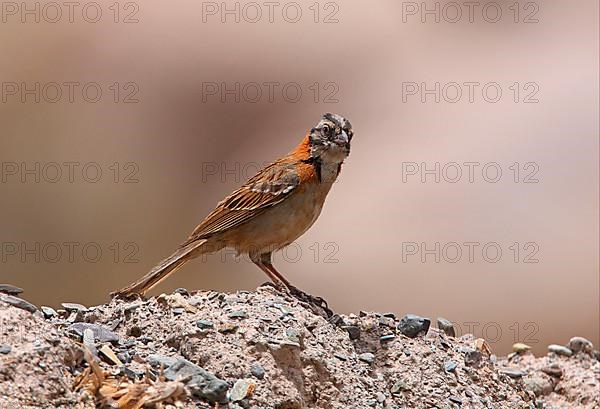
x,y
330,138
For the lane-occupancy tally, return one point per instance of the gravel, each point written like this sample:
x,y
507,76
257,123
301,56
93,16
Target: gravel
x,y
276,354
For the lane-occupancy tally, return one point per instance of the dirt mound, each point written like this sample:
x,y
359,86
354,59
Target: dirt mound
x,y
264,349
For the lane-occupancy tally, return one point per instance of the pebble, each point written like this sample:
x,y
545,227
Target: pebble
x,y
242,389
412,325
580,344
10,289
5,349
539,384
101,333
74,307
446,326
450,366
367,357
285,310
182,291
18,302
228,328
336,320
341,357
163,361
520,348
178,311
560,350
472,357
455,399
88,341
553,370
387,338
48,312
108,353
513,373
400,386
200,382
204,324
353,332
380,397
257,370
293,335
238,314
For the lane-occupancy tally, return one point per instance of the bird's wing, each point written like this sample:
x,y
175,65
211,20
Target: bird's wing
x,y
270,186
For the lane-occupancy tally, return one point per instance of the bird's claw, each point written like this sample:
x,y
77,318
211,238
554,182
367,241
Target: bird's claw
x,y
311,300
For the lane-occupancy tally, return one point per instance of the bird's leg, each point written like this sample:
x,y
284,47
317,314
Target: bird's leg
x,y
266,262
281,284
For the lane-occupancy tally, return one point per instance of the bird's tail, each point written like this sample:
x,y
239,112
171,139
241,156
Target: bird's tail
x,y
163,269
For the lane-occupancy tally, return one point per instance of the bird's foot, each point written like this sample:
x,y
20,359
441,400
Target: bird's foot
x,y
311,300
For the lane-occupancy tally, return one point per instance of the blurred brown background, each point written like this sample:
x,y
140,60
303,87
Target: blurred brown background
x,y
183,149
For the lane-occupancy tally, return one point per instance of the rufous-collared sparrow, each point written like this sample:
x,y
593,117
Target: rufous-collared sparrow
x,y
270,210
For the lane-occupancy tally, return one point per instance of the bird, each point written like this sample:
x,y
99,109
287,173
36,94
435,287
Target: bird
x,y
268,212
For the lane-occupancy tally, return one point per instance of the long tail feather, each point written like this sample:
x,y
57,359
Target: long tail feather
x,y
162,270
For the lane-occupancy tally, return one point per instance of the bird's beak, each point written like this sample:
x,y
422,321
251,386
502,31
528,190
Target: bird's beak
x,y
342,139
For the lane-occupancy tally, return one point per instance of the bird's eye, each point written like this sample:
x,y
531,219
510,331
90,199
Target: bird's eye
x,y
325,129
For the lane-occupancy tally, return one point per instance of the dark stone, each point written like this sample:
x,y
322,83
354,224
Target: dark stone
x,y
446,326
336,320
386,338
472,357
204,324
5,349
101,333
135,331
18,302
257,370
202,383
413,325
353,331
10,289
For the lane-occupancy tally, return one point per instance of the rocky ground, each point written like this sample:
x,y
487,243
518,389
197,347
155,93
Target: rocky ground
x,y
264,349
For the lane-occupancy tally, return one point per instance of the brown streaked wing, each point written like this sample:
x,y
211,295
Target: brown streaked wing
x,y
269,187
